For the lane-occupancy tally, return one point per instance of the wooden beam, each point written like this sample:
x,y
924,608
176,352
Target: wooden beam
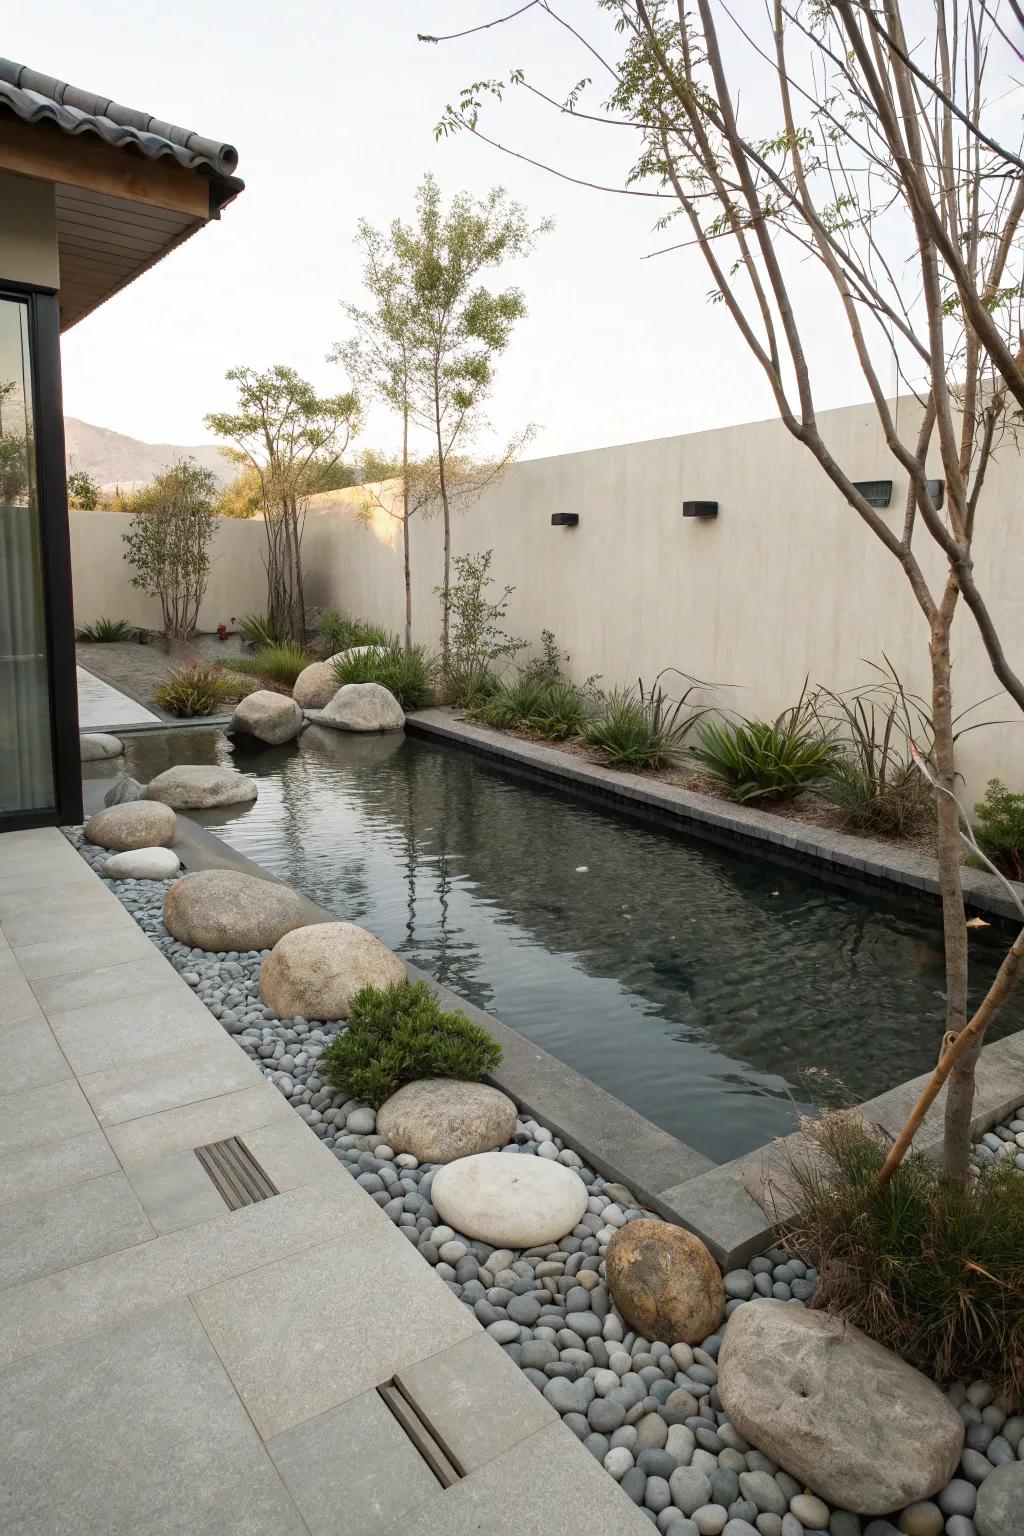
x,y
43,151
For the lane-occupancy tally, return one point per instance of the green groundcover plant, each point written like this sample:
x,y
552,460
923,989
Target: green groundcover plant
x,y
281,662
399,1034
769,760
408,674
999,828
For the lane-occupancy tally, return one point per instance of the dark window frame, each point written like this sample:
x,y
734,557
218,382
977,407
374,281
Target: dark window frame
x,y
55,540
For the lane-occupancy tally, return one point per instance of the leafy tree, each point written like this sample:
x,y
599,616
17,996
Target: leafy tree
x,y
870,149
167,542
83,492
430,340
8,388
14,481
292,438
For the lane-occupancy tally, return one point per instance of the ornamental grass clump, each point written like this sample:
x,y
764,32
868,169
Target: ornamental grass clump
x,y
769,760
408,674
642,728
553,708
334,631
400,1034
107,631
281,662
198,689
931,1266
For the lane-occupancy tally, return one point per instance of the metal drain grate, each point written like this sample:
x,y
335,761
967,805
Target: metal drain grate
x,y
420,1431
236,1173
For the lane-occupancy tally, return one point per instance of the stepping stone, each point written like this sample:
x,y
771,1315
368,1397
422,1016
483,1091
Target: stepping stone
x,y
136,824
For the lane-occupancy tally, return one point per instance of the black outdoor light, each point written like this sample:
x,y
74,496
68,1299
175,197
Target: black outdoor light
x,y
877,493
564,519
700,508
936,490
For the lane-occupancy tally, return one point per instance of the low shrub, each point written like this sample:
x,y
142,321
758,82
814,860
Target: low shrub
x,y
769,760
334,631
106,631
999,828
548,665
409,675
554,708
195,689
282,662
874,783
893,806
930,1267
399,1034
467,682
256,630
642,729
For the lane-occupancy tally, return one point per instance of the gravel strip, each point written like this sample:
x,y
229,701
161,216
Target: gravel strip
x,y
650,1414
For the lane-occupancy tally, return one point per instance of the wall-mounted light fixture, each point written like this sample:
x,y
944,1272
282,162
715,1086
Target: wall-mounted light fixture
x,y
700,508
564,519
936,490
877,493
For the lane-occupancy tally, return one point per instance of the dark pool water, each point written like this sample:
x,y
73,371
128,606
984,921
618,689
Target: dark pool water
x,y
696,983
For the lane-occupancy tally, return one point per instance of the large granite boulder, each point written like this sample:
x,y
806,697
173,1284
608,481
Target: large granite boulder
x,y
836,1410
142,864
94,746
269,716
664,1282
314,972
315,685
124,789
221,909
361,707
137,824
194,786
509,1200
438,1119
1000,1508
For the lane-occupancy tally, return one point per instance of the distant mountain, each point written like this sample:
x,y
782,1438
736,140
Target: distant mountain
x,y
113,459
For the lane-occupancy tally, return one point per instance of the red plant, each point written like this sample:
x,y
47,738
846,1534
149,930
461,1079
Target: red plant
x,y
222,631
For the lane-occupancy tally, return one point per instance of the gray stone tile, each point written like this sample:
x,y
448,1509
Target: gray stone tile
x,y
159,1018
86,952
19,876
547,1485
44,1313
55,1165
30,1055
172,1078
177,1191
89,917
358,1311
288,1152
8,964
45,1233
352,1471
44,1114
135,1430
478,1402
17,999
82,989
193,1125
61,896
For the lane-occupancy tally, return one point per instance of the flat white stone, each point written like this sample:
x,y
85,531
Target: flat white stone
x,y
142,864
95,746
509,1199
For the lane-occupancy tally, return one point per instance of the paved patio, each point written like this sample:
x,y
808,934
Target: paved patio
x,y
173,1366
101,707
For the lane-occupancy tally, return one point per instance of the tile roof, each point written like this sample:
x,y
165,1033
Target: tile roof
x,y
39,98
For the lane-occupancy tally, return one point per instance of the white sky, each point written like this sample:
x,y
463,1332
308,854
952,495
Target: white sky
x,y
332,105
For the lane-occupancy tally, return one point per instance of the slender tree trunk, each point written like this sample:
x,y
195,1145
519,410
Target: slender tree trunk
x,y
405,528
442,482
960,1091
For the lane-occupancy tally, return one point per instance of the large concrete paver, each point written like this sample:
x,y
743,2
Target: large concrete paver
x,y
134,979
134,1430
55,1165
31,1056
102,1037
167,1080
69,1226
44,1114
198,1123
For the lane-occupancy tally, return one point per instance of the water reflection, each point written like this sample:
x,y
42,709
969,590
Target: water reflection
x,y
697,984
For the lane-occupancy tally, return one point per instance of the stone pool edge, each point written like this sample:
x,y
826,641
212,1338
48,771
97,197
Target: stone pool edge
x,y
840,853
672,1179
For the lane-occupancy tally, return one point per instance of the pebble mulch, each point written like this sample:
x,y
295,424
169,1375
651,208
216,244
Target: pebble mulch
x,y
650,1414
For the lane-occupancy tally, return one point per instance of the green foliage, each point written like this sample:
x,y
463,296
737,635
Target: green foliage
x,y
167,542
554,708
930,1266
196,689
548,665
408,674
257,631
475,616
401,1034
282,662
83,492
106,631
874,781
334,631
769,760
468,682
643,729
14,482
894,807
999,828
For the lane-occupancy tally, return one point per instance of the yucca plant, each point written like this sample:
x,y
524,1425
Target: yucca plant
x,y
257,631
107,631
769,760
643,729
408,674
281,662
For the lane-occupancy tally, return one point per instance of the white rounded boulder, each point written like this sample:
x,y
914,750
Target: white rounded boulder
x,y
314,972
193,786
269,716
508,1199
361,707
315,685
142,864
94,746
136,824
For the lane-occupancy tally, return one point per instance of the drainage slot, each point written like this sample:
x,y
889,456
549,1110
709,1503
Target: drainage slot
x,y
236,1173
420,1431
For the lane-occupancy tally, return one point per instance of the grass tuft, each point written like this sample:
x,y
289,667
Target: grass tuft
x,y
281,662
334,631
409,675
198,689
107,631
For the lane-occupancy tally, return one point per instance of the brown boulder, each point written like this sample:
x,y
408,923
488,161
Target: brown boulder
x,y
664,1282
222,909
314,972
438,1120
136,824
